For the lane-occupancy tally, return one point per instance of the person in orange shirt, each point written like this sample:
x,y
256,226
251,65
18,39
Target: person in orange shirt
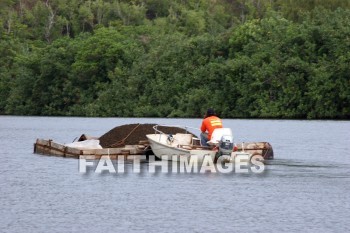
x,y
209,123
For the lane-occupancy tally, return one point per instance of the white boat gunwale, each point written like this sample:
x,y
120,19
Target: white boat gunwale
x,y
161,144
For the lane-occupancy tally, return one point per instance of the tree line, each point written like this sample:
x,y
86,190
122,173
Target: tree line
x,y
175,58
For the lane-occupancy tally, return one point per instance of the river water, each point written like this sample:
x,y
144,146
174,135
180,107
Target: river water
x,y
305,189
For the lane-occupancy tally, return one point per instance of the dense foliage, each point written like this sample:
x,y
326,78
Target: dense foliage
x,y
175,58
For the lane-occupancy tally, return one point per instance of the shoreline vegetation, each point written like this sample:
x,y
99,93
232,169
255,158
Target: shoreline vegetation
x,y
248,59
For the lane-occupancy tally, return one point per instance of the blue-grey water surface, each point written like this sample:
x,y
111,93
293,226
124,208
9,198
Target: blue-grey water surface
x,y
305,189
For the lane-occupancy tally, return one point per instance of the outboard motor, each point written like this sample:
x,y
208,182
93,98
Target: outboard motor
x,y
226,145
222,138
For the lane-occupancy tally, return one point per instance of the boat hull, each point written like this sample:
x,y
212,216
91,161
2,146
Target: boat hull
x,y
164,151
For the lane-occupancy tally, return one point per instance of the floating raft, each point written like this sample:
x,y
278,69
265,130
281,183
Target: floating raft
x,y
49,147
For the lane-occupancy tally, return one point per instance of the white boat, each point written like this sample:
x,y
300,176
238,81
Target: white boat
x,y
174,147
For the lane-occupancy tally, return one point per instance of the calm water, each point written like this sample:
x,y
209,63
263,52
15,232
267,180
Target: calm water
x,y
305,189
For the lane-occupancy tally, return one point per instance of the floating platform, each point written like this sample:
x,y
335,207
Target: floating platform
x,y
49,147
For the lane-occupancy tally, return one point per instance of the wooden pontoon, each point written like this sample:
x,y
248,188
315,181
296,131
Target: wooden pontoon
x,y
49,147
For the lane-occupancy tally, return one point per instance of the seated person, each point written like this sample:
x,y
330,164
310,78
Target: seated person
x,y
209,124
